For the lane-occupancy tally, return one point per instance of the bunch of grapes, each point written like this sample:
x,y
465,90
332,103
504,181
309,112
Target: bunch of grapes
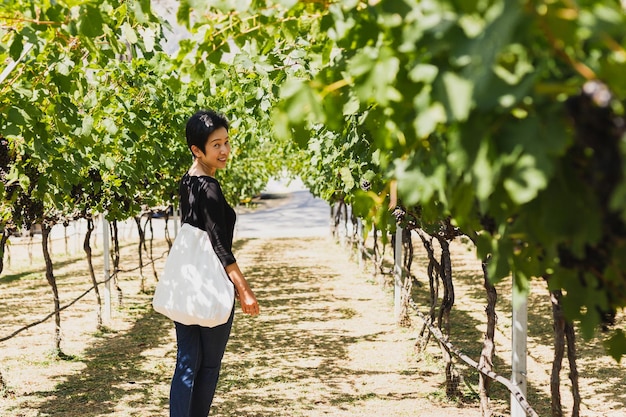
x,y
488,223
6,159
596,160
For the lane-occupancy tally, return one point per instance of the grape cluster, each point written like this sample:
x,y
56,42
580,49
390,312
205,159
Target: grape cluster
x,y
5,157
6,161
596,160
88,190
29,209
488,223
595,154
94,175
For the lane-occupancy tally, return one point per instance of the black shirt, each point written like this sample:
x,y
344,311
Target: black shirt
x,y
202,204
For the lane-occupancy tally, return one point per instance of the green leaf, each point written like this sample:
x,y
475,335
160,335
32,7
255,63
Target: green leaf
x,y
17,46
555,215
65,65
483,52
418,183
301,102
90,22
288,3
142,10
347,178
526,180
128,33
351,106
484,171
377,68
501,251
462,201
458,96
426,121
616,345
87,125
148,36
425,73
183,13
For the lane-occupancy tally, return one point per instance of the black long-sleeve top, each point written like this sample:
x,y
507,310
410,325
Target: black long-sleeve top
x,y
203,205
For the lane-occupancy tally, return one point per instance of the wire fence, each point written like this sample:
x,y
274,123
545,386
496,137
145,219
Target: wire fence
x,y
65,307
125,231
521,398
351,236
81,296
72,237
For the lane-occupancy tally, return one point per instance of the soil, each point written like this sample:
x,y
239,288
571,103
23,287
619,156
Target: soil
x,y
326,342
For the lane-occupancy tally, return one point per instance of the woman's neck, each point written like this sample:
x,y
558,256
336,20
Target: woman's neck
x,y
199,168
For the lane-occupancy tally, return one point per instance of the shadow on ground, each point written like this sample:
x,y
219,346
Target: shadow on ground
x,y
280,364
114,369
291,359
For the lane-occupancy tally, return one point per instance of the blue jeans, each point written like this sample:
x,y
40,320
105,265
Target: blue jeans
x,y
198,362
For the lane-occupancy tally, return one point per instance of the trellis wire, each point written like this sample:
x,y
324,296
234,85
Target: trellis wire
x,y
43,320
513,389
519,396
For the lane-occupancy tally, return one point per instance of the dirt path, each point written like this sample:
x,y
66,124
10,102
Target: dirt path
x,y
325,343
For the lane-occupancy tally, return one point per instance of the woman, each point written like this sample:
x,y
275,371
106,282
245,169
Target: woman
x,y
202,203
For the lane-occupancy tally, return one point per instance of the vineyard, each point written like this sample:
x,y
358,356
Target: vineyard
x,y
327,343
496,124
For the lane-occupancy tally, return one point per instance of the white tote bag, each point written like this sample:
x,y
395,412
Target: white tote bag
x,y
194,287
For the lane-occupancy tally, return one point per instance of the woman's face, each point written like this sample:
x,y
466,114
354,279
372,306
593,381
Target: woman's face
x,y
216,151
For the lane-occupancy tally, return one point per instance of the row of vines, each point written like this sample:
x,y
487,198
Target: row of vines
x,y
389,258
501,121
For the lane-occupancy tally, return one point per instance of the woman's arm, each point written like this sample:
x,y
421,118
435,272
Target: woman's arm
x,y
212,212
247,299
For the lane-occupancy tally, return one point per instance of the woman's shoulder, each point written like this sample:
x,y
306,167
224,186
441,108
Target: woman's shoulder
x,y
205,183
201,179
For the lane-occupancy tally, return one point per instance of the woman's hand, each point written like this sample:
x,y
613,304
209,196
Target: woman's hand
x,y
248,301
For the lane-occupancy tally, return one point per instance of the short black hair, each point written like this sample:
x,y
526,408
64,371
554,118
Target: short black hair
x,y
201,125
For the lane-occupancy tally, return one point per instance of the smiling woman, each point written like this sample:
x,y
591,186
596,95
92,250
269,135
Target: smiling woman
x,y
203,207
209,142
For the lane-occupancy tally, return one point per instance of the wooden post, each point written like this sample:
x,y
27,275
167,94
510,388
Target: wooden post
x,y
106,241
518,360
397,288
77,234
361,246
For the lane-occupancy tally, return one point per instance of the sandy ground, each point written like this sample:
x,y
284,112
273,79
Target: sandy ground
x,y
326,343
